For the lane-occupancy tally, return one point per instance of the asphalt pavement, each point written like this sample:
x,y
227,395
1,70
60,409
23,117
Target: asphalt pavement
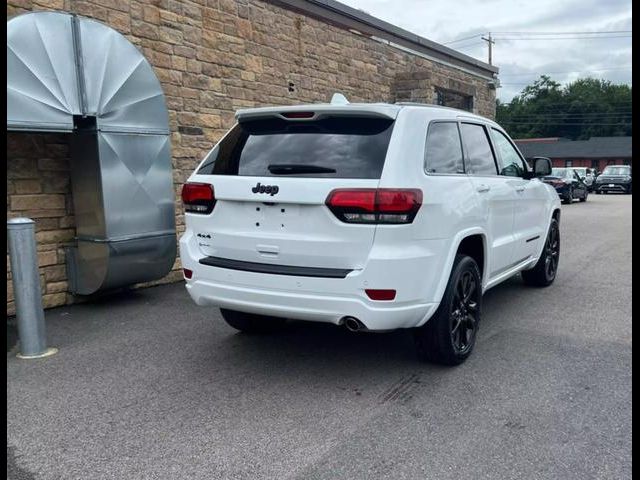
x,y
148,386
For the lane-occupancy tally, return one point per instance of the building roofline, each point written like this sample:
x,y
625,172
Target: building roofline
x,y
350,18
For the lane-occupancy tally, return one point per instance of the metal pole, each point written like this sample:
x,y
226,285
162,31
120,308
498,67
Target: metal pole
x,y
490,42
26,289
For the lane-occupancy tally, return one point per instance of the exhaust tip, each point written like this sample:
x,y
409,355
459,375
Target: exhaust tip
x,y
353,324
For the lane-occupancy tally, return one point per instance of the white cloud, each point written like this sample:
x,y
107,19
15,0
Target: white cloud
x,y
445,20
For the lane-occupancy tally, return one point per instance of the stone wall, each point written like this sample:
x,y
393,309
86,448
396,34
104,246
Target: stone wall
x,y
38,188
213,57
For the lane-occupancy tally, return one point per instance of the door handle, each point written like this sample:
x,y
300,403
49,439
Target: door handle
x,y
519,189
483,188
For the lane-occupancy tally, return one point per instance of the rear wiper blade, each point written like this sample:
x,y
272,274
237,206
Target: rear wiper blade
x,y
292,168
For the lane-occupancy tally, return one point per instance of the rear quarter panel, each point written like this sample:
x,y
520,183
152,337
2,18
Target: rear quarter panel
x,y
449,212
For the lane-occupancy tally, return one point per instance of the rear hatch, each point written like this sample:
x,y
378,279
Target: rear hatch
x,y
271,177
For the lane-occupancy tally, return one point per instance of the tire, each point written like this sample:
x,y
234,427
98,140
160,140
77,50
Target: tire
x,y
584,198
252,323
442,339
569,199
545,270
598,192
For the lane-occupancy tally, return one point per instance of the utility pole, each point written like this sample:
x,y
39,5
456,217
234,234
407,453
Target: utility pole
x,y
490,42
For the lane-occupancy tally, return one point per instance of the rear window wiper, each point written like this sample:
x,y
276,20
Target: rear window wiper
x,y
293,168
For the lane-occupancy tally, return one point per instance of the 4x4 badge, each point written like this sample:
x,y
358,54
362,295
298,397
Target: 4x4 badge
x,y
270,189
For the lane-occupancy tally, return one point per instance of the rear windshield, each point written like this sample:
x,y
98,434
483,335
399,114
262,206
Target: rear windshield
x,y
340,147
616,171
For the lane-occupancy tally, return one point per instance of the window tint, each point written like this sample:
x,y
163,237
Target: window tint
x,y
479,154
509,162
443,152
345,147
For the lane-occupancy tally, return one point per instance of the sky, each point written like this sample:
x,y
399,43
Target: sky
x,y
523,56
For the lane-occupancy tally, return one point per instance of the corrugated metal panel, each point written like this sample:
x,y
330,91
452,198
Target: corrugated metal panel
x,y
122,89
42,83
63,69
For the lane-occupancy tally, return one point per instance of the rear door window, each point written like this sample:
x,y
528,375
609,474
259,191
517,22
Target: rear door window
x,y
335,147
443,152
480,159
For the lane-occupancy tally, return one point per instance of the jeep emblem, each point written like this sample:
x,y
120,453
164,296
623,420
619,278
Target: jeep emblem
x,y
270,189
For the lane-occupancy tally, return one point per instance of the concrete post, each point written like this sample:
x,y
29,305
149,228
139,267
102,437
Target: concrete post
x,y
26,289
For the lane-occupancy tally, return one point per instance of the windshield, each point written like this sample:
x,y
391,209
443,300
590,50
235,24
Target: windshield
x,y
558,172
622,170
581,171
334,147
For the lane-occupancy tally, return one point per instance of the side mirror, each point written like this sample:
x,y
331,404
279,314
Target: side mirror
x,y
541,167
583,178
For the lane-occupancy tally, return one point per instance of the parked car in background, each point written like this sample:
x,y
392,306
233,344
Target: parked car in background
x,y
370,216
614,178
568,184
587,176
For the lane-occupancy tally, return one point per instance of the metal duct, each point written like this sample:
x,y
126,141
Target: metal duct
x,y
72,74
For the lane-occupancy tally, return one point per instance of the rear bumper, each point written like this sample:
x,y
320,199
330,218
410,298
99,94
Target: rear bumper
x,y
306,306
414,273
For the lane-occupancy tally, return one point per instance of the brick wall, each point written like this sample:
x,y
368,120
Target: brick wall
x,y
38,187
213,57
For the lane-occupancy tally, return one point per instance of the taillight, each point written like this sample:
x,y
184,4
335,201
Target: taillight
x,y
187,273
371,205
198,198
377,294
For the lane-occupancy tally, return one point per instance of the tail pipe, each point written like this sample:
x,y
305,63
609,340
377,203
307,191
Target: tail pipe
x,y
353,324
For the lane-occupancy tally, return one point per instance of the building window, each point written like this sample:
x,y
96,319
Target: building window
x,y
568,163
449,98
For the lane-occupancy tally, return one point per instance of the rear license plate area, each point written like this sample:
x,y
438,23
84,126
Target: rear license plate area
x,y
272,217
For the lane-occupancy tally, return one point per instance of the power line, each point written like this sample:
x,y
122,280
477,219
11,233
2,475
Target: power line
x,y
576,103
561,73
540,33
565,33
585,102
566,124
569,116
472,44
464,38
562,38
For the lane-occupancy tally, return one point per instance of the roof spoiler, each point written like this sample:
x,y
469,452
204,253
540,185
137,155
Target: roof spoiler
x,y
339,107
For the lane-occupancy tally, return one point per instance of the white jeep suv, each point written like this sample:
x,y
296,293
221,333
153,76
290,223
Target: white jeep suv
x,y
372,216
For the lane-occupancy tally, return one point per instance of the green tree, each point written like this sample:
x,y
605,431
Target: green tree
x,y
585,108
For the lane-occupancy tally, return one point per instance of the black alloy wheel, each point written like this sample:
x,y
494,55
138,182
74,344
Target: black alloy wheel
x,y
552,252
546,268
464,313
449,335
